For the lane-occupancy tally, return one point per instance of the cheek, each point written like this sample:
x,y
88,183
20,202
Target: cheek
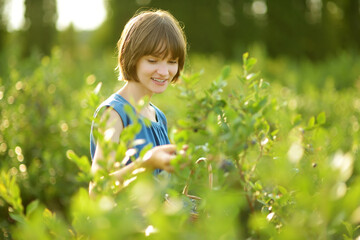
x,y
174,69
143,69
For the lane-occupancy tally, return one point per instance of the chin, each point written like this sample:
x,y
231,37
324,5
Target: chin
x,y
158,91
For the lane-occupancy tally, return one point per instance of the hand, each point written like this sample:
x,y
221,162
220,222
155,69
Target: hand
x,y
183,150
160,157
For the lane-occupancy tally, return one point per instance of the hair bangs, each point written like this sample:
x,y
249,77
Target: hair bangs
x,y
164,41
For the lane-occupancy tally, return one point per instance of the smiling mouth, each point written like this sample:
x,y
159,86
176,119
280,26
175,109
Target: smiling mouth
x,y
159,80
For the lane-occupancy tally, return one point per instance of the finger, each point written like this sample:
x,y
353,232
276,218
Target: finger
x,y
185,147
182,152
169,148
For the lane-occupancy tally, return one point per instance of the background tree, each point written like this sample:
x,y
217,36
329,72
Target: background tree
x,y
118,13
286,31
313,29
247,27
3,31
352,22
40,26
203,28
342,22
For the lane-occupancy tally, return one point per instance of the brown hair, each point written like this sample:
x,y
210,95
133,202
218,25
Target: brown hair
x,y
154,32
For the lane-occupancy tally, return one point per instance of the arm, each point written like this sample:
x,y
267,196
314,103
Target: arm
x,y
157,157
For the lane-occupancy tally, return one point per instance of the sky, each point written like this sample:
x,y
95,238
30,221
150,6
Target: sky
x,y
84,14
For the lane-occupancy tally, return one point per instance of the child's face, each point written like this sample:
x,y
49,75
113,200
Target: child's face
x,y
155,73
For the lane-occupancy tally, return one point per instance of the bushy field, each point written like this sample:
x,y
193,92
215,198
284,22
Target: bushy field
x,y
280,140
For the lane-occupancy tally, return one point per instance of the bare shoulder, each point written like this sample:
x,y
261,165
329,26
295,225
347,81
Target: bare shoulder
x,y
114,124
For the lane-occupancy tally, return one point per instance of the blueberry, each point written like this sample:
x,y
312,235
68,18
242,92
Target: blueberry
x,y
226,165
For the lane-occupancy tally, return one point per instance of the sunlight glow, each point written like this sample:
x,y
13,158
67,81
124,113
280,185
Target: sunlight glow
x,y
84,14
149,230
14,11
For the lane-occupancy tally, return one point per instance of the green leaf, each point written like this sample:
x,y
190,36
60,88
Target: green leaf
x,y
145,149
262,202
250,63
311,122
296,120
220,103
17,217
31,207
192,79
47,214
70,154
273,133
242,79
137,142
130,111
251,76
181,136
262,102
147,122
282,190
321,118
225,72
349,228
346,237
258,186
183,123
245,57
97,88
82,162
252,185
263,84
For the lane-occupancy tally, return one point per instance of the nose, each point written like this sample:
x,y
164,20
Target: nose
x,y
163,69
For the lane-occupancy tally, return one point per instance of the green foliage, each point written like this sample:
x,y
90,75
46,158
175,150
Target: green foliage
x,y
10,191
283,165
36,121
340,72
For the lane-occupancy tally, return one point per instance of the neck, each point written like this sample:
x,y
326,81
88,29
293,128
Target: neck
x,y
133,92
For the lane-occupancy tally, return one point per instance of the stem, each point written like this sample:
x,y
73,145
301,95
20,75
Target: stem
x,y
259,157
251,206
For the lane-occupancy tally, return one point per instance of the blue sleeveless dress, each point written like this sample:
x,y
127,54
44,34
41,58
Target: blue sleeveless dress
x,y
156,133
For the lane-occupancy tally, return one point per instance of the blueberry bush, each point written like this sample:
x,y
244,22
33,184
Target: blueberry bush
x,y
263,161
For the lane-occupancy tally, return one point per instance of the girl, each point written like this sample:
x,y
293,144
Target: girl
x,y
152,50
